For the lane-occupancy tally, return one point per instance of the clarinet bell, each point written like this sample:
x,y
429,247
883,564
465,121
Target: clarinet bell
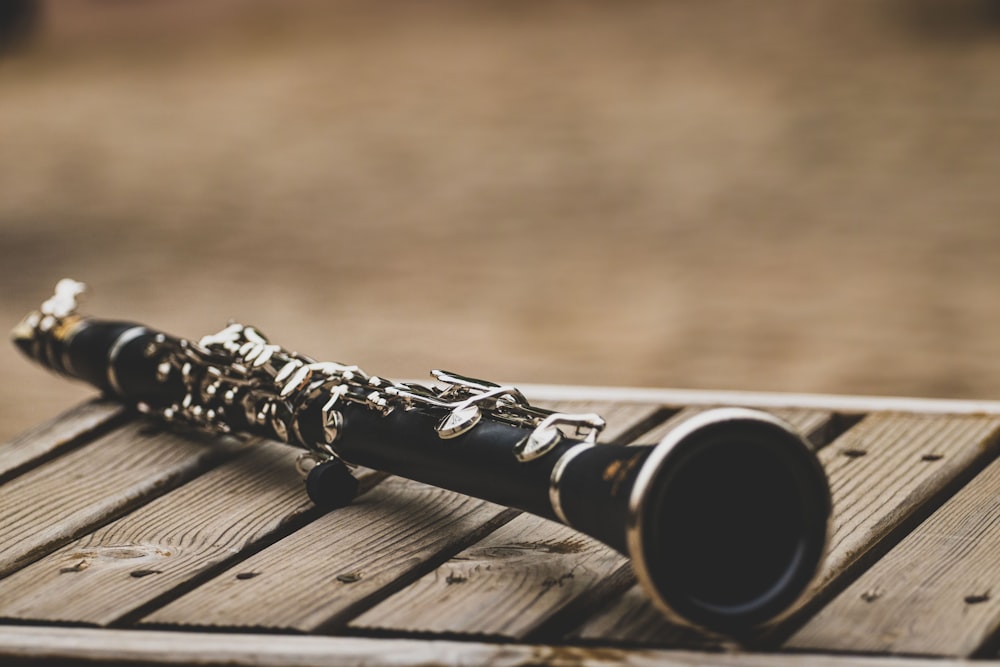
x,y
729,520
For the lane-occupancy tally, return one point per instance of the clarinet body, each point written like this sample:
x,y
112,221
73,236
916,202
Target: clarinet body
x,y
725,519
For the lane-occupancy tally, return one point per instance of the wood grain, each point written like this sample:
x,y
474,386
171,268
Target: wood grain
x,y
386,539
503,586
880,481
47,507
386,561
161,546
48,439
340,562
43,645
936,593
633,619
907,462
817,426
510,584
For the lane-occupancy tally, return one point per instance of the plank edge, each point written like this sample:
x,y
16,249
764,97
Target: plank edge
x,y
38,644
763,400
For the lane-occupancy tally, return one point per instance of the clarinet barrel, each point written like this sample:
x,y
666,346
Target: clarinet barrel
x,y
725,519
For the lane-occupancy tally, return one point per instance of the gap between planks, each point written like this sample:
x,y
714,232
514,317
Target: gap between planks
x,y
164,548
933,594
531,579
165,545
92,485
513,584
72,428
647,416
336,567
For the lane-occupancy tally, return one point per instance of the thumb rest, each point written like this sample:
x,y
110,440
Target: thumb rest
x,y
725,519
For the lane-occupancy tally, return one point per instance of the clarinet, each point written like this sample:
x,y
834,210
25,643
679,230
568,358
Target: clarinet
x,y
725,520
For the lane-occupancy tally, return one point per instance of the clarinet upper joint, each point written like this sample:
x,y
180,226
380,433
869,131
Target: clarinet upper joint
x,y
238,366
43,335
237,381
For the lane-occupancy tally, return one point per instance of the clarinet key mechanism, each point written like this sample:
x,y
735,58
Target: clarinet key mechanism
x,y
725,519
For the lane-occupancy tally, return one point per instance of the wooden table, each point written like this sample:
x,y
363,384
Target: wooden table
x,y
121,542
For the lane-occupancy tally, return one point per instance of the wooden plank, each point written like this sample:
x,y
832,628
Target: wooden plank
x,y
339,563
44,645
908,461
167,544
512,594
818,426
511,584
388,538
56,435
52,504
936,593
880,483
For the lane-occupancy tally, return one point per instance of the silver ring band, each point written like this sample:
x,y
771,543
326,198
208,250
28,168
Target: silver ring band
x,y
67,360
124,339
557,472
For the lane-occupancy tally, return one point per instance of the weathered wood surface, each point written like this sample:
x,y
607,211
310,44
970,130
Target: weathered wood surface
x,y
633,619
883,472
93,531
108,647
353,557
527,575
524,578
887,470
54,436
54,503
343,561
511,584
129,563
936,593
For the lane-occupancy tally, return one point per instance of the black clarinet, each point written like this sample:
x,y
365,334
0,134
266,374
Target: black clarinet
x,y
725,520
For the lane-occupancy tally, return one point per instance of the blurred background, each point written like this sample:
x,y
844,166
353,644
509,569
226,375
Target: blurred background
x,y
778,196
